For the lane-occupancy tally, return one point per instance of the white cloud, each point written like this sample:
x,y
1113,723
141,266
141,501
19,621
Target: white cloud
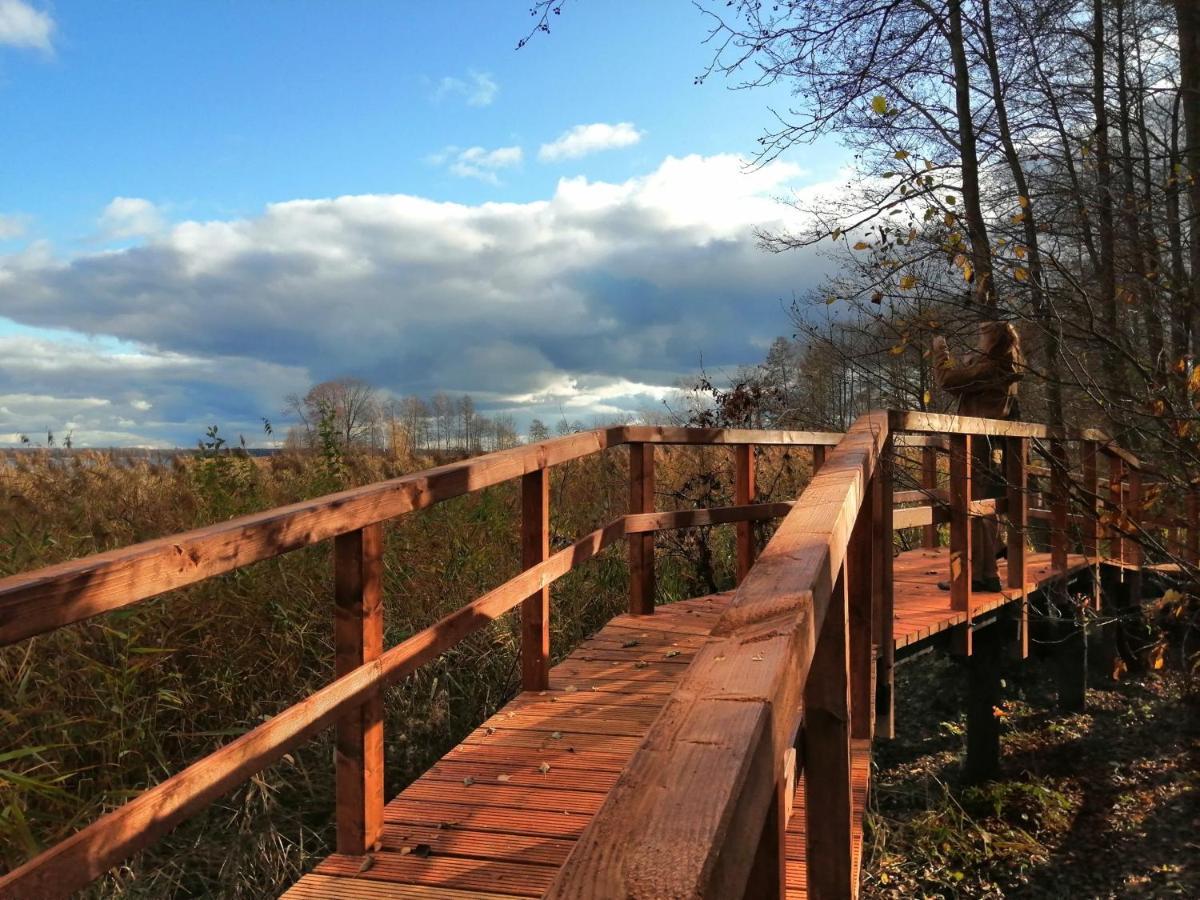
x,y
590,300
23,26
584,139
476,89
11,227
130,217
477,162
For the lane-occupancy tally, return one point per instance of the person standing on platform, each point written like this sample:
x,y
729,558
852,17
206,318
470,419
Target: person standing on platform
x,y
985,381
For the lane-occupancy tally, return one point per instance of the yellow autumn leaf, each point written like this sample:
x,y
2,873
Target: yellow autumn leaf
x,y
1019,251
948,219
908,282
897,350
901,154
951,199
1021,273
1018,218
1024,201
927,398
968,272
862,245
837,233
879,104
829,301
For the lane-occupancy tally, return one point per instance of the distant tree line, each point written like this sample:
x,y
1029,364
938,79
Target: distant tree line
x,y
354,413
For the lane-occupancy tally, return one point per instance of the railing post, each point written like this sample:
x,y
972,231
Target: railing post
x,y
641,546
1136,552
535,609
768,872
744,490
1059,496
827,770
818,458
885,706
358,639
1016,477
860,588
1091,515
929,483
1116,496
960,522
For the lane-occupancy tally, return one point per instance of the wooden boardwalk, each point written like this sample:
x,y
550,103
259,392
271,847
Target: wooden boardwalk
x,y
922,609
498,815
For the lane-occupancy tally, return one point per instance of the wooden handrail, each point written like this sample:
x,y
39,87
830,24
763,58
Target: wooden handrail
x,y
708,772
36,602
49,598
92,851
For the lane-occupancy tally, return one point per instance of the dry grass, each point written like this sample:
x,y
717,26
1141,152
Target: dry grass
x,y
96,712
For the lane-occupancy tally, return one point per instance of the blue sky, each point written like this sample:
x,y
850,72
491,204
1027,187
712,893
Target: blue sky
x,y
194,191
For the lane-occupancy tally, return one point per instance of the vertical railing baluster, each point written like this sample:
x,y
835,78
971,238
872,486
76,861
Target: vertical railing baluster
x,y
358,639
884,559
1091,516
1059,497
744,490
929,483
1016,477
535,609
960,528
641,546
1116,497
827,769
1135,551
860,587
818,458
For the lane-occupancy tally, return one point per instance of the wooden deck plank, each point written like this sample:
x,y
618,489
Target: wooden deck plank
x,y
498,814
922,609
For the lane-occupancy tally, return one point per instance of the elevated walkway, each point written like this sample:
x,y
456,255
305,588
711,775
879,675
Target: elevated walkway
x,y
682,749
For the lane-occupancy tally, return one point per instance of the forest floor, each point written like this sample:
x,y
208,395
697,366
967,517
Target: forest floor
x,y
1099,804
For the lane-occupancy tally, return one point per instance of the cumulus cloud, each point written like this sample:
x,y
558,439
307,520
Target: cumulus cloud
x,y
597,298
130,217
476,89
21,25
585,139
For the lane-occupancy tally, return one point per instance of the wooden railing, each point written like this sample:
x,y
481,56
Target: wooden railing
x,y
38,602
785,679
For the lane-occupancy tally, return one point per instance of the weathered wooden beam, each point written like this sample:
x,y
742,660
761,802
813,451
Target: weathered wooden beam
x,y
669,520
358,639
885,694
48,598
1060,486
535,609
659,434
75,862
929,479
960,528
744,490
641,544
827,733
1016,477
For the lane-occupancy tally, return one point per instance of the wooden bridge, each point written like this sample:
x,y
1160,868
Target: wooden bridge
x,y
715,747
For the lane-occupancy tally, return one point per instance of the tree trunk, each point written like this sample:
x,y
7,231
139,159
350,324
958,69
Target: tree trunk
x,y
981,251
1187,14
